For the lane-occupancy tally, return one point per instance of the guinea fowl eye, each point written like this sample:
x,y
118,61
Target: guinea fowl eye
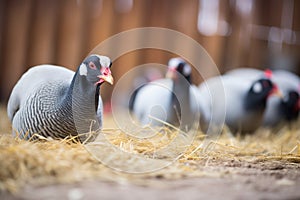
x,y
266,84
92,66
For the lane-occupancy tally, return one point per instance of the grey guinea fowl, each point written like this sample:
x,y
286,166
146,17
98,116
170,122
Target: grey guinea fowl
x,y
53,101
167,99
279,110
239,101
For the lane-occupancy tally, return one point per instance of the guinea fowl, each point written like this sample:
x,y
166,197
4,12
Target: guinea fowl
x,y
238,102
287,108
171,99
279,110
53,101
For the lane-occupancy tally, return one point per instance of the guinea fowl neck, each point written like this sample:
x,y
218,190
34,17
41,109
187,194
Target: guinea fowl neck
x,y
289,108
255,102
82,98
180,97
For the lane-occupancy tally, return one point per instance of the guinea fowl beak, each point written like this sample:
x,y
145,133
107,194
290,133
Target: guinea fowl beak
x,y
276,92
106,76
171,73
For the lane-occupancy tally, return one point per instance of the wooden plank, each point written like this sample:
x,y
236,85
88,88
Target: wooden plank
x,y
296,21
158,16
269,12
231,49
133,19
15,41
214,46
43,32
2,20
102,22
71,31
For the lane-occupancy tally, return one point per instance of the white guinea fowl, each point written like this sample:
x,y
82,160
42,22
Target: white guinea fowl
x,y
53,101
171,99
237,101
279,110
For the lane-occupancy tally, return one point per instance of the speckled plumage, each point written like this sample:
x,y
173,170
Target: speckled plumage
x,y
53,101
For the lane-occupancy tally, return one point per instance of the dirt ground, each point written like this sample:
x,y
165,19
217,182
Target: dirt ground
x,y
226,180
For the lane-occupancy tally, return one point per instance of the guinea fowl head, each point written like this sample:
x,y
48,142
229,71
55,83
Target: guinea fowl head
x,y
259,92
290,105
178,65
96,69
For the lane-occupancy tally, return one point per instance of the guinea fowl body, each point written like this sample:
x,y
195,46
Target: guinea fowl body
x,y
171,99
53,101
237,102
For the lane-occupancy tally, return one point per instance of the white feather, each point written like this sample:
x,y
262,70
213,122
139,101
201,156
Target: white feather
x,y
83,70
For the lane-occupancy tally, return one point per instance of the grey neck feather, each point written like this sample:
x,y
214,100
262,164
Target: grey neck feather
x,y
180,100
81,99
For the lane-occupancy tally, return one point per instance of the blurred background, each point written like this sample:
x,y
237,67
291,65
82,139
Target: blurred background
x,y
236,33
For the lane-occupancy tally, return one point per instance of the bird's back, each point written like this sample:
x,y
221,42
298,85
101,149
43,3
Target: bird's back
x,y
34,79
35,97
223,101
153,99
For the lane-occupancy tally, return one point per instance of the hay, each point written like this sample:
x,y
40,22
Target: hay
x,y
47,161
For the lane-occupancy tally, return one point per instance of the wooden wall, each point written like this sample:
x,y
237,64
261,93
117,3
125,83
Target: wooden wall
x,y
63,32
